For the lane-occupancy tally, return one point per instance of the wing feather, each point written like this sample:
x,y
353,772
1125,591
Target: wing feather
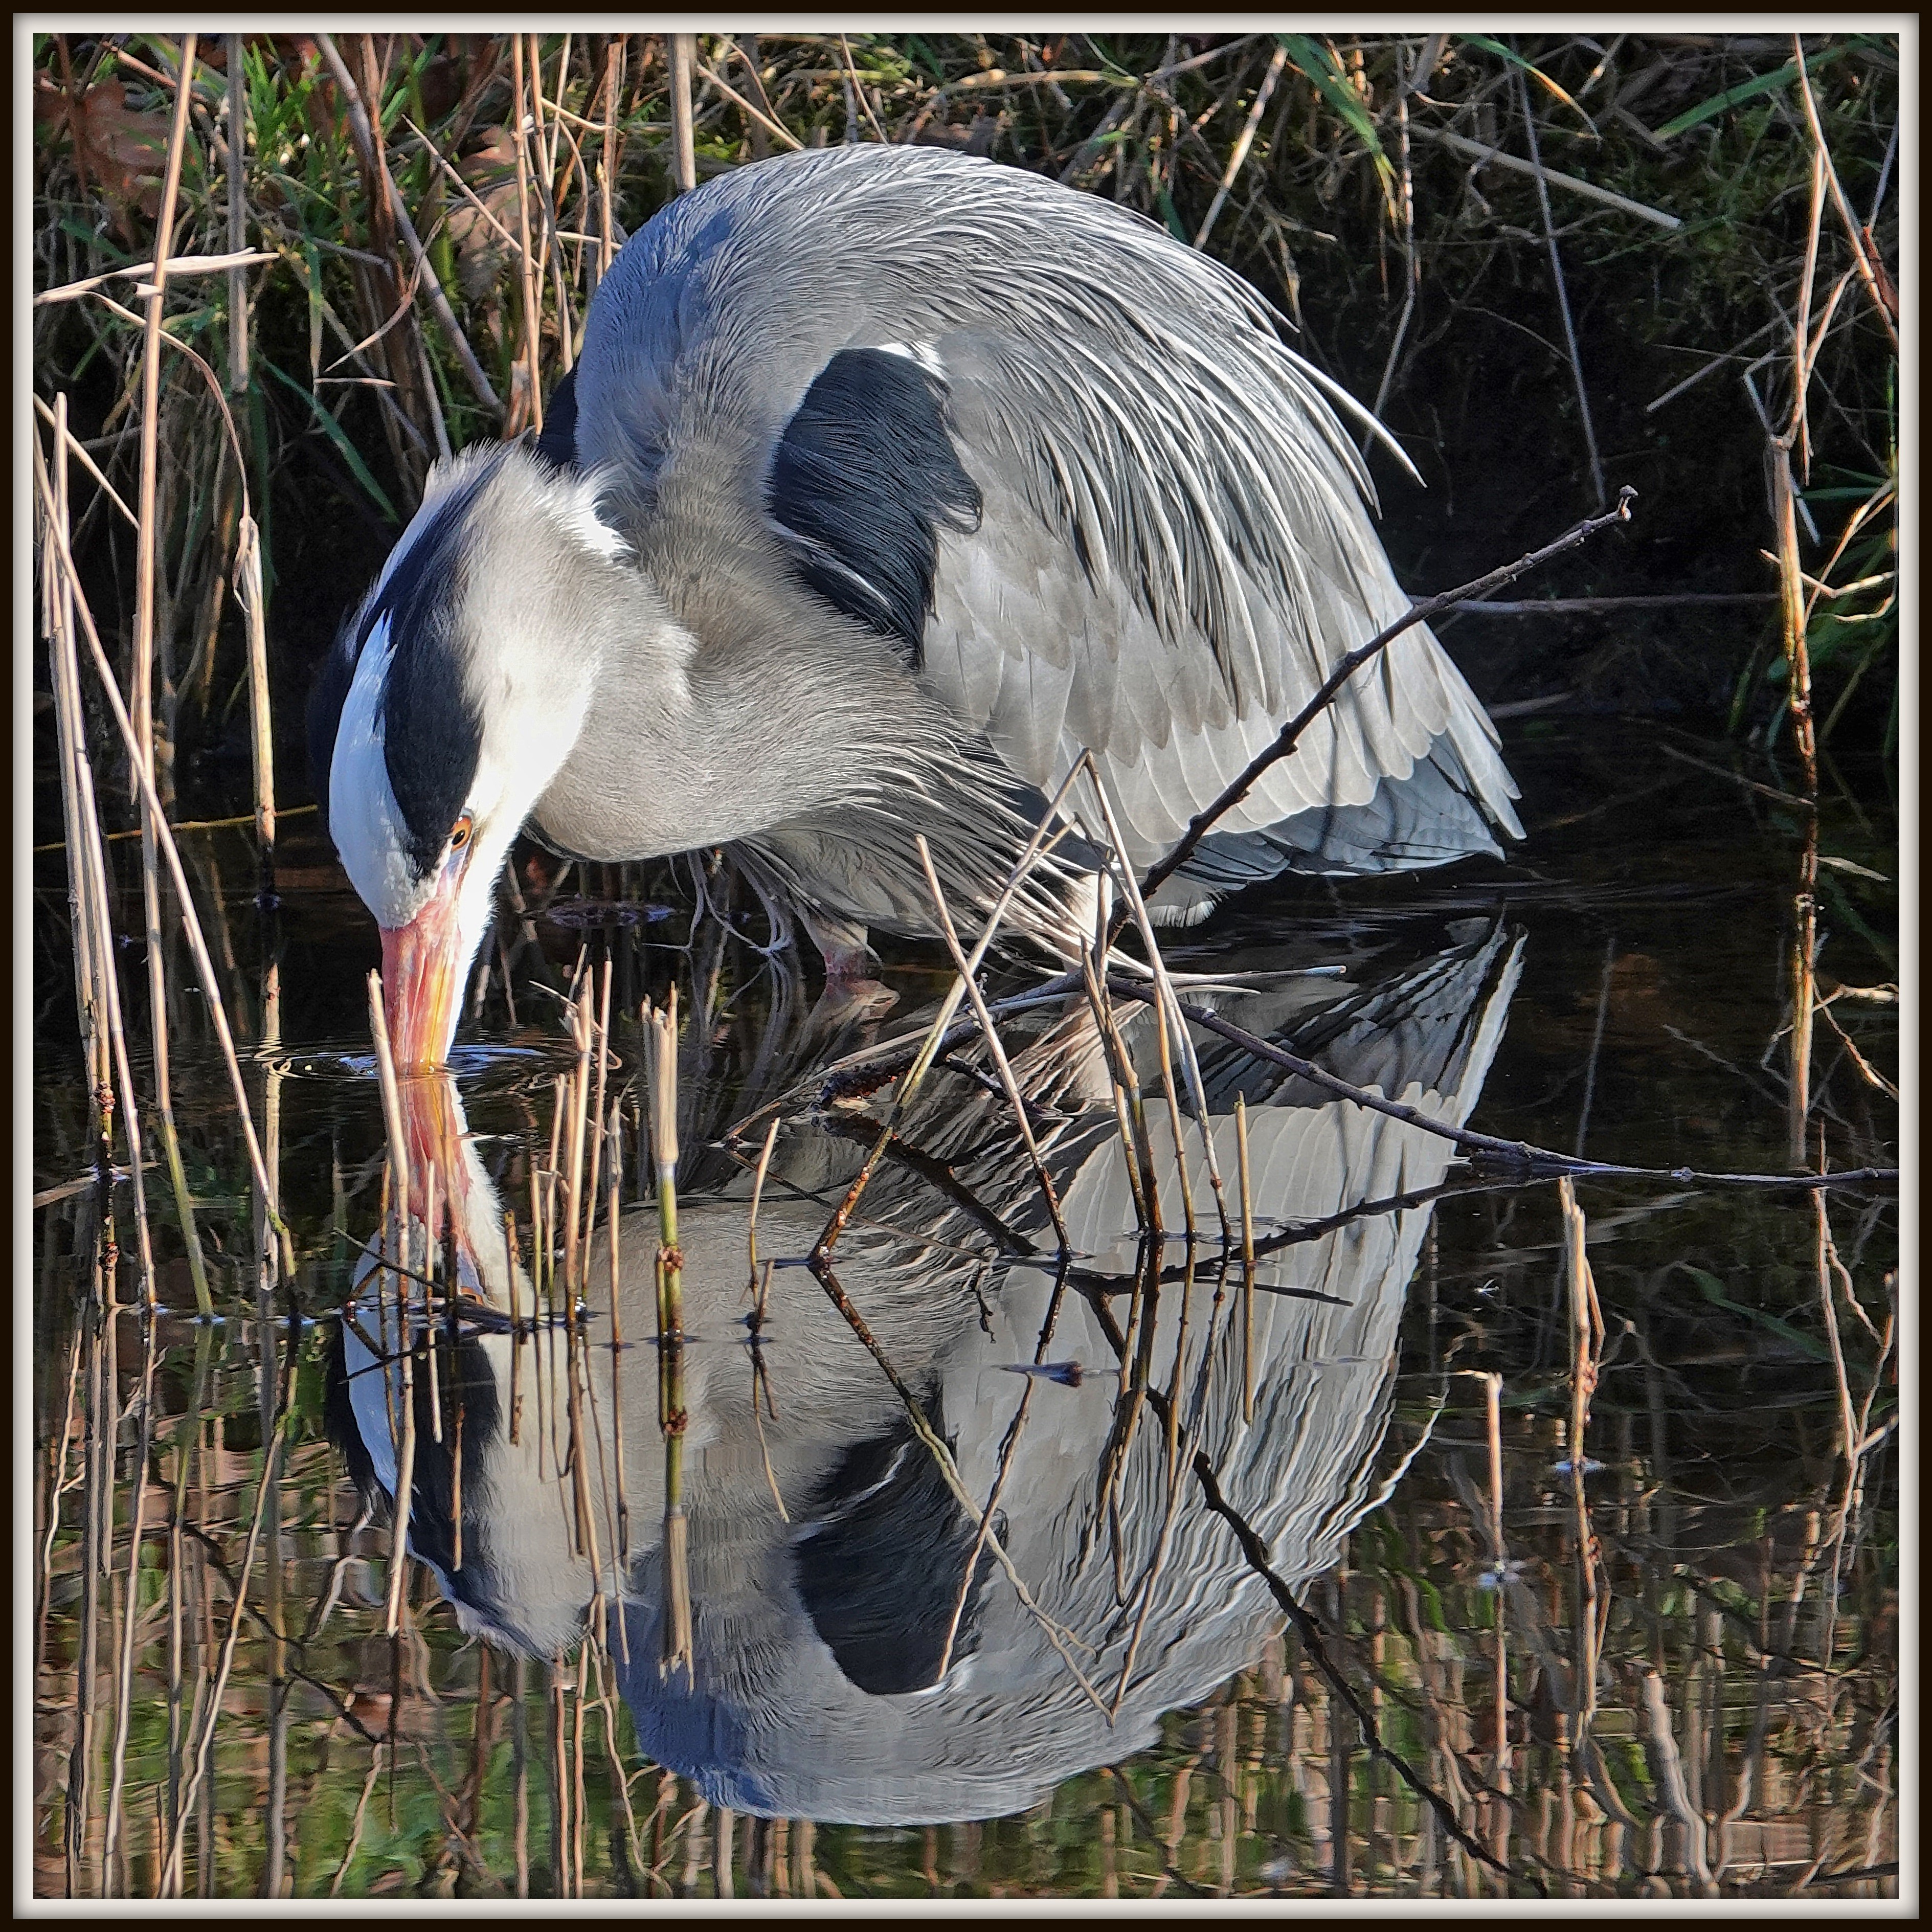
x,y
1174,545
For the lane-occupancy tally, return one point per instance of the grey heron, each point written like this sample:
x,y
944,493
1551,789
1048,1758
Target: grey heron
x,y
889,480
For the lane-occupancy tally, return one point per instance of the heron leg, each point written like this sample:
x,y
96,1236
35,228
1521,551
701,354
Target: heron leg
x,y
841,943
851,991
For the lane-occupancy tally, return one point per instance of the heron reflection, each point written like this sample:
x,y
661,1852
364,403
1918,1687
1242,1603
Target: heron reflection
x,y
864,1649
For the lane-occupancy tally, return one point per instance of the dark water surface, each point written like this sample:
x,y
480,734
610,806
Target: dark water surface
x,y
1673,1671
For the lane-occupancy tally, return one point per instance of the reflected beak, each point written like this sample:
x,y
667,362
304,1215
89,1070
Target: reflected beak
x,y
422,963
434,1126
433,1132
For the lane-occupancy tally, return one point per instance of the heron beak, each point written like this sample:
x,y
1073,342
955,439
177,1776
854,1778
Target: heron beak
x,y
422,963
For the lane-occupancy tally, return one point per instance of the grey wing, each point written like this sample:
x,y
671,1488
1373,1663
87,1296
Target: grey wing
x,y
1070,465
1174,553
1403,771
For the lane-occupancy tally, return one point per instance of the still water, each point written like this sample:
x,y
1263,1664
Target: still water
x,y
976,1569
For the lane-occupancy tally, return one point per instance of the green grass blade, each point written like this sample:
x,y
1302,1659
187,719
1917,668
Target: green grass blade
x,y
1747,90
344,447
1712,1290
1310,58
1535,72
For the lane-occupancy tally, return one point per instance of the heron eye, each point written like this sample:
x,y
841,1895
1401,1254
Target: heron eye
x,y
459,834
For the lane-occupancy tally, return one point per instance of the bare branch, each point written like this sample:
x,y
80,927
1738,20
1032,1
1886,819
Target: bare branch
x,y
1204,821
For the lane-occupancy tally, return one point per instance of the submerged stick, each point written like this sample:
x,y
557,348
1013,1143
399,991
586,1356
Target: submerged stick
x,y
130,1605
1238,788
1586,1342
613,1177
1247,1260
757,1194
1586,1321
1518,1153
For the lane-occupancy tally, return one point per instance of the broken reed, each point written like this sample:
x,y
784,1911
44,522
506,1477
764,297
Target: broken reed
x,y
395,1258
585,1157
668,1269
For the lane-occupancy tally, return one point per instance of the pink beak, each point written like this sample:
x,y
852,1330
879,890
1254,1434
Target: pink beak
x,y
422,963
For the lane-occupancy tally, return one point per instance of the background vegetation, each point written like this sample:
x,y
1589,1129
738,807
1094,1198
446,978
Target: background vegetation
x,y
1629,319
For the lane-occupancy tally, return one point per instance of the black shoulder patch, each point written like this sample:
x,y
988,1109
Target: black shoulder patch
x,y
879,1572
431,737
557,443
865,477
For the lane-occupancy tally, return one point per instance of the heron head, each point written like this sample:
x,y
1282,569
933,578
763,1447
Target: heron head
x,y
452,698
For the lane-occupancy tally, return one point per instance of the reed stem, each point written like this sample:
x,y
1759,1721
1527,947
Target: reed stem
x,y
682,51
661,1072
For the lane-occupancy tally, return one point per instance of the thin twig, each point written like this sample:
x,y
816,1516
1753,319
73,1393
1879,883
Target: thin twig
x,y
359,122
237,217
936,1035
1169,1003
1202,822
170,1885
1886,314
1480,151
1562,294
777,128
1243,142
995,1051
821,1268
1517,1154
143,272
113,495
